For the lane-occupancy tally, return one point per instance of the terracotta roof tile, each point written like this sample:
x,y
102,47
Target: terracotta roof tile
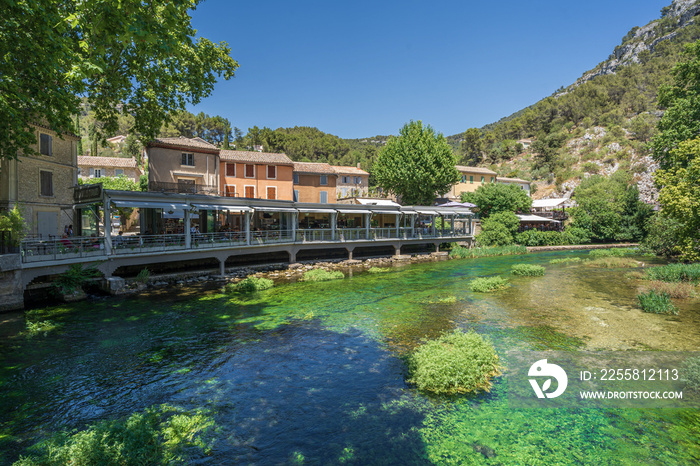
x,y
195,143
343,170
310,167
484,171
254,157
513,180
118,162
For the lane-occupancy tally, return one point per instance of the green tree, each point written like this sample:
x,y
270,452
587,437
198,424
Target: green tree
x,y
125,56
472,146
133,148
492,198
499,229
417,165
13,220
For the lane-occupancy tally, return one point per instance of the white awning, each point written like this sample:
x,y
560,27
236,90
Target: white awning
x,y
427,212
354,211
535,218
178,214
386,212
275,209
317,211
456,212
550,203
228,208
152,205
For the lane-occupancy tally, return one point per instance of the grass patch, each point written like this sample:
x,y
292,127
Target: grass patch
x,y
691,373
322,275
454,363
613,252
488,284
656,303
161,435
249,285
612,262
460,252
379,269
37,328
680,290
565,260
675,273
527,270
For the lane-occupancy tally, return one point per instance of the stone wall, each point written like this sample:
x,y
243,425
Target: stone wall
x,y
11,290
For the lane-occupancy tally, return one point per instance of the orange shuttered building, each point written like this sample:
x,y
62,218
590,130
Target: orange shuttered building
x,y
258,175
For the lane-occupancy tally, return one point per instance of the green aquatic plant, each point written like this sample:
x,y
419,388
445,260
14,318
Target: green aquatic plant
x,y
143,276
379,269
613,252
456,362
322,275
159,436
460,252
39,327
488,284
612,262
74,278
680,290
675,273
657,303
565,260
691,373
528,270
249,285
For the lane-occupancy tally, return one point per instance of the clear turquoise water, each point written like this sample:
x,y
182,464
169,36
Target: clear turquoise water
x,y
312,372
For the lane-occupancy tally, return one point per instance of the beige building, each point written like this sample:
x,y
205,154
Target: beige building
x,y
183,165
351,182
42,184
90,168
523,184
470,180
256,175
314,182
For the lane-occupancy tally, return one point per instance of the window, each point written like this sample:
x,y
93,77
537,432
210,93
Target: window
x,y
358,180
45,144
296,195
118,172
271,192
249,171
345,179
296,178
46,183
471,179
188,159
324,197
249,191
464,178
482,180
230,190
97,173
324,180
230,169
271,172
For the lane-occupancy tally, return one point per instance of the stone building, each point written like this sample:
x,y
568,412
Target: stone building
x,y
258,175
186,165
523,184
351,182
314,183
91,168
470,178
42,183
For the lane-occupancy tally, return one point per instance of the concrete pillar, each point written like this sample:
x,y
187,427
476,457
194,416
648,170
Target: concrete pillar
x,y
437,247
108,226
334,222
188,232
292,256
349,253
222,267
247,227
397,250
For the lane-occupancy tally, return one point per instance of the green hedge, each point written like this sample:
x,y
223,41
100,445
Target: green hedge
x,y
570,236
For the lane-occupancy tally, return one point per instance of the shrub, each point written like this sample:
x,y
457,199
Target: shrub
x,y
488,284
163,435
74,278
465,253
673,289
249,285
454,363
565,260
691,373
528,270
675,273
570,236
143,276
612,262
657,303
322,275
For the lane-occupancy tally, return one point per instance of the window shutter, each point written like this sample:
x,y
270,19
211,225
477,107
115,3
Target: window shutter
x,y
92,172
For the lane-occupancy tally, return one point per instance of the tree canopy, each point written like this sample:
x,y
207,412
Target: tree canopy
x,y
492,198
123,56
417,165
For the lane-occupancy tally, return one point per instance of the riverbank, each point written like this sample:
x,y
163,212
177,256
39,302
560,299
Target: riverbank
x,y
581,247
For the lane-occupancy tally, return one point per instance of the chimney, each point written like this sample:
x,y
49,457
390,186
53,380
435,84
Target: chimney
x,y
358,165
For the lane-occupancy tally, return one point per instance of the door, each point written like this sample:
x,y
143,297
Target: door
x,y
250,191
271,192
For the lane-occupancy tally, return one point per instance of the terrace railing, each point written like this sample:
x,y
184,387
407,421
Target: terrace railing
x,y
218,240
38,250
321,234
147,243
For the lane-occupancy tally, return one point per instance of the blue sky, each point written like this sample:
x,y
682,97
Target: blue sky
x,y
359,69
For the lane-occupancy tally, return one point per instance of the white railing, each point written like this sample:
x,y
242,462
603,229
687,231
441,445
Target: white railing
x,y
147,243
33,250
322,234
271,236
218,240
351,234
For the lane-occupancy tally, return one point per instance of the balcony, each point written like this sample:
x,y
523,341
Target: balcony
x,y
182,188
